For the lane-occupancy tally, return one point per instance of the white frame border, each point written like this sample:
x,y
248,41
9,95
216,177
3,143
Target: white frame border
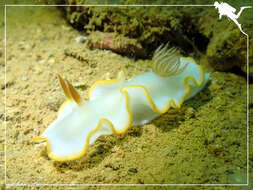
x,y
79,185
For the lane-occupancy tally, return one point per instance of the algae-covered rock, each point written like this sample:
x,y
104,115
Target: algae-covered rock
x,y
150,26
196,29
229,50
227,47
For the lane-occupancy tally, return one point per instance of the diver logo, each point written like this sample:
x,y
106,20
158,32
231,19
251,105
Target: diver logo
x,y
229,11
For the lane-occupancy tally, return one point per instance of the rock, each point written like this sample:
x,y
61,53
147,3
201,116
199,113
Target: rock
x,y
24,78
51,61
196,30
81,85
227,47
133,170
80,39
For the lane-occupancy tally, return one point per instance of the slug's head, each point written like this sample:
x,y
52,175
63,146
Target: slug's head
x,y
166,62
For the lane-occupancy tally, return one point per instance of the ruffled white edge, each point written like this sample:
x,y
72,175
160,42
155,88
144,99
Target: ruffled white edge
x,y
124,92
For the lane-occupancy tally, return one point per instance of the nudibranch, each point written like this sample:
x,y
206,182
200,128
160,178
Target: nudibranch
x,y
115,105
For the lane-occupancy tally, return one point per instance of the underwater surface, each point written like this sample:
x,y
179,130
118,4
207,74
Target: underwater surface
x,y
202,142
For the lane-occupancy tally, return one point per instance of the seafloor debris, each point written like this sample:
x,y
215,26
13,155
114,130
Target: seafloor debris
x,y
80,39
75,55
115,42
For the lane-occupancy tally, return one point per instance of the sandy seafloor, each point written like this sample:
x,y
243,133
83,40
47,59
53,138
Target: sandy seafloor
x,y
202,143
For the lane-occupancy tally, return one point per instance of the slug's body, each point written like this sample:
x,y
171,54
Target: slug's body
x,y
115,105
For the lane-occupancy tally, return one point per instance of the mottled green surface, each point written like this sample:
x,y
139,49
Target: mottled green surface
x,y
193,29
151,26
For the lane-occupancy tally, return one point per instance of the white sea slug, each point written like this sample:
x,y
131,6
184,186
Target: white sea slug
x,y
115,105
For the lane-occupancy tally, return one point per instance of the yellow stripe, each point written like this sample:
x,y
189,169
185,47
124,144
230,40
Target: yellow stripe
x,y
64,104
103,82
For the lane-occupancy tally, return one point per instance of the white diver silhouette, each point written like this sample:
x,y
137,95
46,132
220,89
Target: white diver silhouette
x,y
229,11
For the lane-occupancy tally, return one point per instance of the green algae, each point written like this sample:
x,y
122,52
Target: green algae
x,y
192,29
150,26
